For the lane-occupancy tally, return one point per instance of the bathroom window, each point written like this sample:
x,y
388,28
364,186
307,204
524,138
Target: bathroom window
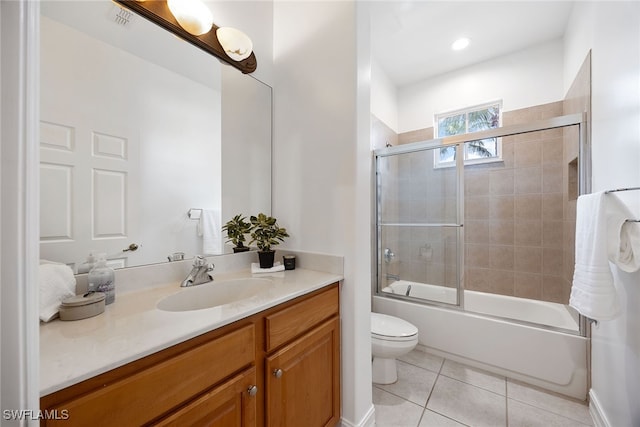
x,y
472,119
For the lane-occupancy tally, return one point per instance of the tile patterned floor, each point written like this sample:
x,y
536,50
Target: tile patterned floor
x,y
436,392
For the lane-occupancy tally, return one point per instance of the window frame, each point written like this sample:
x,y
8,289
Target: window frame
x,y
437,163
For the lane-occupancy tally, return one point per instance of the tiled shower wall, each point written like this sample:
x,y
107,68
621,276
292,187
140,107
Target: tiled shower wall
x,y
519,213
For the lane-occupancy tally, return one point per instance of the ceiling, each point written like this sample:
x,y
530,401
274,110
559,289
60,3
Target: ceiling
x,y
411,40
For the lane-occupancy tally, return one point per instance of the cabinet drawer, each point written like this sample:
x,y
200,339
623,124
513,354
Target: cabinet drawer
x,y
230,404
287,324
154,391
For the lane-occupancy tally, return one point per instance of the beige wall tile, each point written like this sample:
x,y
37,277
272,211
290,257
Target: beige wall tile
x,y
528,259
528,233
552,206
552,181
528,207
501,257
477,256
416,135
501,232
552,261
501,182
476,232
501,282
476,207
553,289
528,153
501,208
476,182
552,234
528,285
552,151
528,180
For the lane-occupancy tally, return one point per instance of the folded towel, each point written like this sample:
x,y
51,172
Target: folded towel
x,y
211,232
624,237
277,266
593,293
56,282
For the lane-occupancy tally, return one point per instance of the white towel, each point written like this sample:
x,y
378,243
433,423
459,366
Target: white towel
x,y
599,223
277,266
211,232
56,282
624,237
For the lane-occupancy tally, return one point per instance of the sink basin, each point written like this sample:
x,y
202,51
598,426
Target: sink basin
x,y
213,294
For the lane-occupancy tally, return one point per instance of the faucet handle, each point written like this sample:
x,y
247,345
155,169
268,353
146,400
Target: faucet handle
x,y
198,261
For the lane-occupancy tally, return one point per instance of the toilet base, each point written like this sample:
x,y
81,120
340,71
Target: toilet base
x,y
384,371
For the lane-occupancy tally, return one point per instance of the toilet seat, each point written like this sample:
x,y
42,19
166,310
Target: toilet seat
x,y
389,328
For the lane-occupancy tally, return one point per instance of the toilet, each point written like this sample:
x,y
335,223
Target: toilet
x,y
391,337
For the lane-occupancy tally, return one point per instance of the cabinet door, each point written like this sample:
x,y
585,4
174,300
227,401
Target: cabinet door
x,y
232,404
303,380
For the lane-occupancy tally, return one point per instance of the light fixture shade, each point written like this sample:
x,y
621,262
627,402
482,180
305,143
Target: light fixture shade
x,y
192,15
236,44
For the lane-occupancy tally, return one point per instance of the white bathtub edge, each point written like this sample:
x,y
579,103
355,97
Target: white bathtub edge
x,y
504,348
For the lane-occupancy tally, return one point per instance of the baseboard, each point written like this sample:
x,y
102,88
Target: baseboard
x,y
596,412
369,420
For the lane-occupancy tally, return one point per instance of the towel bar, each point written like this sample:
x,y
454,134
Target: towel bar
x,y
622,189
625,189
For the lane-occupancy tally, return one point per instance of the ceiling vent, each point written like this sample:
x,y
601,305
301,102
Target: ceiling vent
x,y
122,16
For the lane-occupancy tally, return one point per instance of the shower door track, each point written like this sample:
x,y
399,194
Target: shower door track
x,y
584,182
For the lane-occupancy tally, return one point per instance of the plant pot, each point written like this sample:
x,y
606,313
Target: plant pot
x,y
237,249
266,258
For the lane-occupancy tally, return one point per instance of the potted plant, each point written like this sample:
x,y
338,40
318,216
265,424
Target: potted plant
x,y
236,229
266,233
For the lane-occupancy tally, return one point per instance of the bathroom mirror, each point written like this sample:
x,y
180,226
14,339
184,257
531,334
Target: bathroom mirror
x,y
141,135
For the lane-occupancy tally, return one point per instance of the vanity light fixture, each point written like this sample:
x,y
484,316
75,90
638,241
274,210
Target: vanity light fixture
x,y
236,44
191,20
460,44
192,15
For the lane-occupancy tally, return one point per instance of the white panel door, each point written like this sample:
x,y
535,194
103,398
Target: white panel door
x,y
88,196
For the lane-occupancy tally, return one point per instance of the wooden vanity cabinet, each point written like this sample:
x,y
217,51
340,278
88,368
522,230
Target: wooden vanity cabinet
x,y
280,367
302,367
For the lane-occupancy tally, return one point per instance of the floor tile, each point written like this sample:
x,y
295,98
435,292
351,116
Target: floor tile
x,y
419,357
431,419
523,415
414,383
393,411
467,404
556,404
474,376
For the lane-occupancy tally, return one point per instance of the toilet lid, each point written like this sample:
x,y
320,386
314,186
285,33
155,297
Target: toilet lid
x,y
391,327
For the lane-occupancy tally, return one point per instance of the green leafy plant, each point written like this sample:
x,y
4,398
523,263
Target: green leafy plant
x,y
236,229
266,232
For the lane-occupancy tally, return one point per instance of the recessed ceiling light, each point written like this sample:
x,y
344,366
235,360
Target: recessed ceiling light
x,y
460,44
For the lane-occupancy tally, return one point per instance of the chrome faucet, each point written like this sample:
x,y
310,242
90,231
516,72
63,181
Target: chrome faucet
x,y
200,273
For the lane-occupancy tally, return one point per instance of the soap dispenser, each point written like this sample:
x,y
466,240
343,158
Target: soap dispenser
x,y
102,279
86,266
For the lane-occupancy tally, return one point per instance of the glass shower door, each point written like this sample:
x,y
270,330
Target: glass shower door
x,y
419,223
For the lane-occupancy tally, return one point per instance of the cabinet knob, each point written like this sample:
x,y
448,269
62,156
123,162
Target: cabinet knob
x,y
253,390
277,373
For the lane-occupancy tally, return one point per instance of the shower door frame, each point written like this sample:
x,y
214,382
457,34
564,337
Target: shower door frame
x,y
584,187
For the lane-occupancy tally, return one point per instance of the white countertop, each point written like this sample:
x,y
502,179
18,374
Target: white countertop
x,y
132,327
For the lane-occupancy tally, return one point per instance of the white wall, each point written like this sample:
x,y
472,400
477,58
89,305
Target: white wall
x,y
530,77
321,180
384,97
612,31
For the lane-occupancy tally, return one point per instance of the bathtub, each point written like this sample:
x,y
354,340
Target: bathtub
x,y
546,358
